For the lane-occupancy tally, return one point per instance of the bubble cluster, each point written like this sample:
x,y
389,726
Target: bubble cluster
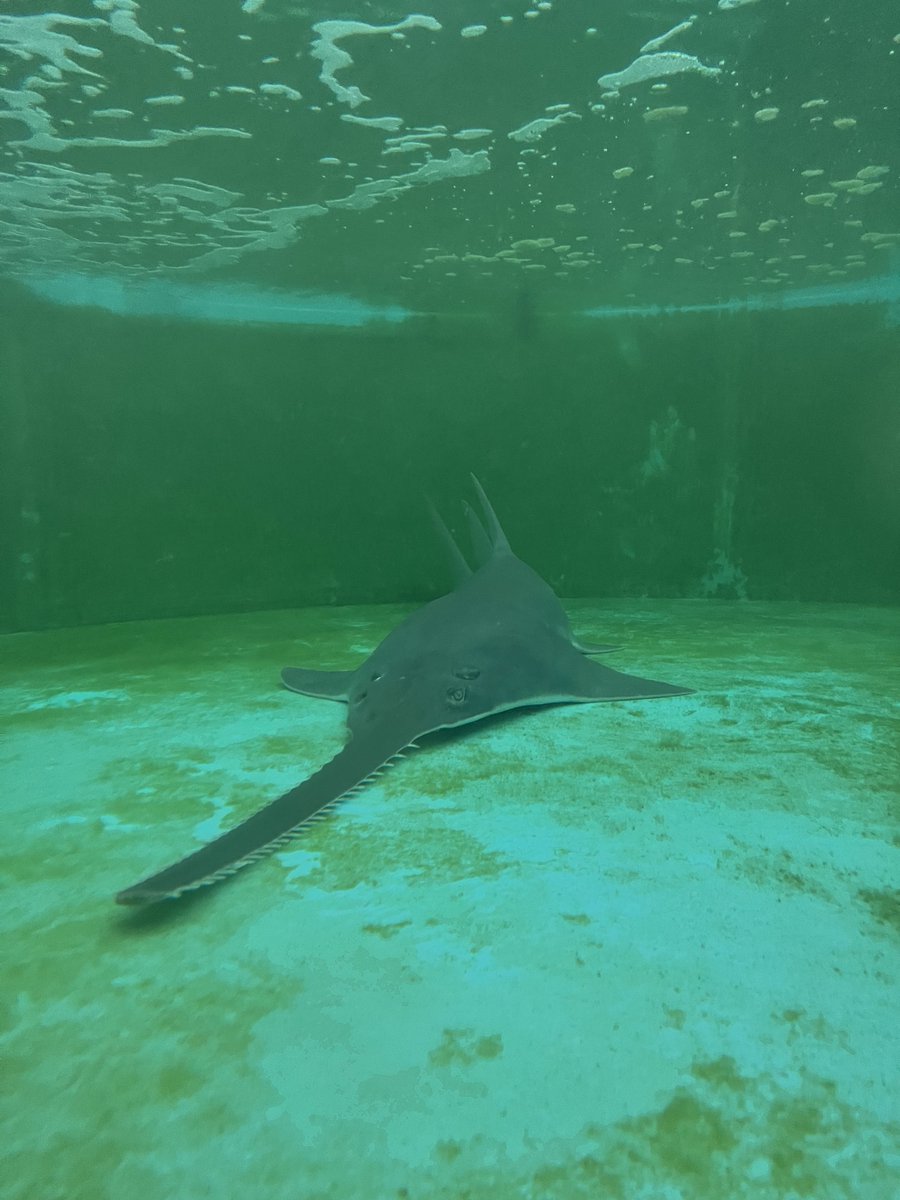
x,y
433,163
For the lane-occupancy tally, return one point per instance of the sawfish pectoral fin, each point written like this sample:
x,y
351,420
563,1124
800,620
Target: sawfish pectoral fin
x,y
269,828
592,681
324,685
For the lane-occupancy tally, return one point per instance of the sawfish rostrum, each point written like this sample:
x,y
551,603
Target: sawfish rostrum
x,y
500,640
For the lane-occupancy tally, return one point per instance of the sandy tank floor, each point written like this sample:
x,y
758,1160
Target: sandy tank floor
x,y
645,950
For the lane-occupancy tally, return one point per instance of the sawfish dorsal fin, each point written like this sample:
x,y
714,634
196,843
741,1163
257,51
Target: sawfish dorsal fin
x,y
496,536
482,547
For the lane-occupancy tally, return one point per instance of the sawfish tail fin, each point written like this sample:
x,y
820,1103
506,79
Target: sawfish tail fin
x,y
461,569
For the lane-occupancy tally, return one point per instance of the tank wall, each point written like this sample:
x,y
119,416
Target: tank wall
x,y
154,468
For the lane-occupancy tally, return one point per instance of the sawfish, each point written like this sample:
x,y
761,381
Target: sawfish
x,y
500,640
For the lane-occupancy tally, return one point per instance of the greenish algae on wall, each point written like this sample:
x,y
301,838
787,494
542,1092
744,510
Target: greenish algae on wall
x,y
153,468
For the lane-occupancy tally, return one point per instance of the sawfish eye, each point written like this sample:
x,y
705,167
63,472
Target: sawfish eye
x,y
467,672
456,695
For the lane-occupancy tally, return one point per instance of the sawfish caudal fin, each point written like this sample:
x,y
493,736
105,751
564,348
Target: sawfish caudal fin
x,y
459,566
269,828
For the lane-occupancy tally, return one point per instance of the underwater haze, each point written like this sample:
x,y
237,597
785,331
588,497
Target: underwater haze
x,y
613,288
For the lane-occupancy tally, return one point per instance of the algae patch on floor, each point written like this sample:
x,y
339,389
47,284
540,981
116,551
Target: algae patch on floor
x,y
644,949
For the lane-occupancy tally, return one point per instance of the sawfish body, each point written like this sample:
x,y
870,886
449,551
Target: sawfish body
x,y
500,640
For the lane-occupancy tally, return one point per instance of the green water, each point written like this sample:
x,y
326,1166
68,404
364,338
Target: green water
x,y
270,278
